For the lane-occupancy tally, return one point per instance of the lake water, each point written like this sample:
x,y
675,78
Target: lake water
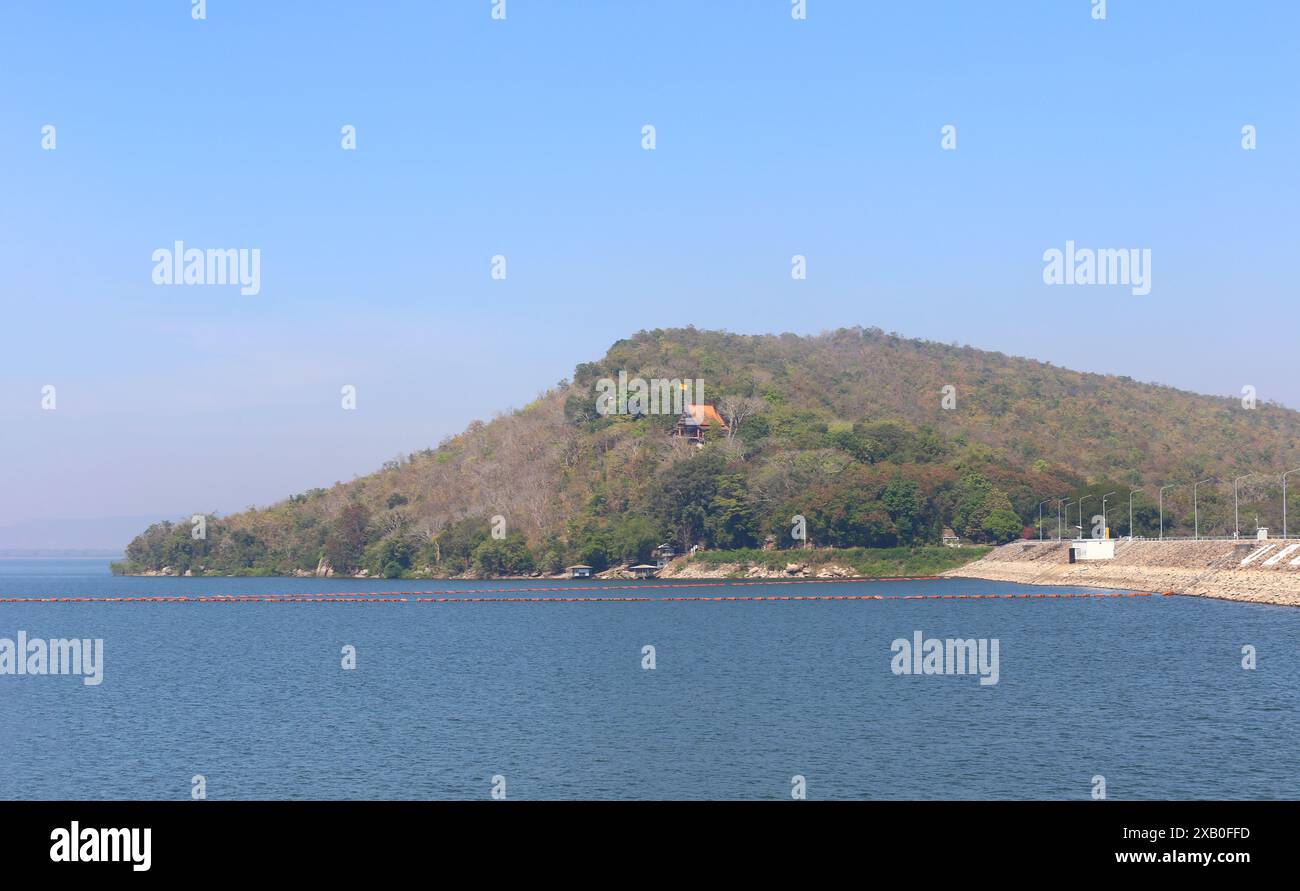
x,y
1148,692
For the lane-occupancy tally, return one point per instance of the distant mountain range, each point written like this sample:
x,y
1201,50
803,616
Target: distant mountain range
x,y
871,438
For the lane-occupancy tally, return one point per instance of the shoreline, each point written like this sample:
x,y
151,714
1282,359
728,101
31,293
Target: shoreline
x,y
721,572
1213,569
825,564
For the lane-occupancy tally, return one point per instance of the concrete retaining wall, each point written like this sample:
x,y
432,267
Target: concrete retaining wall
x,y
1232,570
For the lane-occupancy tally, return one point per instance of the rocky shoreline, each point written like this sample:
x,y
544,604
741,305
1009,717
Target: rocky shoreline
x,y
687,570
682,568
1197,568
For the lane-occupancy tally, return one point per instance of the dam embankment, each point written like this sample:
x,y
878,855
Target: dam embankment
x,y
1246,570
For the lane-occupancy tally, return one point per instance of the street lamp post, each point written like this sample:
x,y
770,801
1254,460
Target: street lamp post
x,y
1196,508
1058,517
1162,508
1236,514
1284,476
1104,525
1130,513
1040,517
1082,499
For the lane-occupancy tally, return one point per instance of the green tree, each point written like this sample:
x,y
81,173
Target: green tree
x,y
389,557
592,548
1002,525
903,502
983,511
453,548
503,556
683,500
731,522
632,538
345,545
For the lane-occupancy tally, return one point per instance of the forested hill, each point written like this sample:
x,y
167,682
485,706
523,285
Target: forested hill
x,y
875,439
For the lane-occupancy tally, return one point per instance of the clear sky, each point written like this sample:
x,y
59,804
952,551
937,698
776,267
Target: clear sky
x,y
523,138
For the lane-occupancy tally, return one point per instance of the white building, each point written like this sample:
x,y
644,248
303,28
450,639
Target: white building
x,y
1092,549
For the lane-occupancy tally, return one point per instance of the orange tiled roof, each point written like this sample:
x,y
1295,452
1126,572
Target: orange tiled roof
x,y
705,414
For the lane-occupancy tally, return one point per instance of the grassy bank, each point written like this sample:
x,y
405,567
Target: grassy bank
x,y
865,562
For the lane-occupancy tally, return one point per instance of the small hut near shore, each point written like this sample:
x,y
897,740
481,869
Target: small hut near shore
x,y
664,554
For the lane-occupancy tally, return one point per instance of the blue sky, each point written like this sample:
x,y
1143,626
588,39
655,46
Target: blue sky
x,y
523,138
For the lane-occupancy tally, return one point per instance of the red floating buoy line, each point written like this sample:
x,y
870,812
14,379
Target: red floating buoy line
x,y
422,596
507,596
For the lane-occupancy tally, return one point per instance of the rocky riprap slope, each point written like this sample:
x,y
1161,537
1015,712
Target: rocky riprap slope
x,y
1201,568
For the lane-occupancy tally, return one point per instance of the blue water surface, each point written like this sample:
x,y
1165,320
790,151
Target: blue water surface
x,y
1148,692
